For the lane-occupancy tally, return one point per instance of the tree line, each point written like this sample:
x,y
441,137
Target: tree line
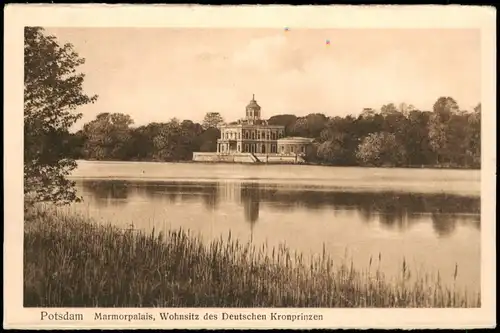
x,y
445,136
392,136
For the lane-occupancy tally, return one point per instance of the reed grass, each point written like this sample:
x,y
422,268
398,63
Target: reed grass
x,y
69,261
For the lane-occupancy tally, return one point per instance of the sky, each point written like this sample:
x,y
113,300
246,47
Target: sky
x,y
155,74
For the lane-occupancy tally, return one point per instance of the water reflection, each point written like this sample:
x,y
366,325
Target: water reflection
x,y
107,193
398,211
250,198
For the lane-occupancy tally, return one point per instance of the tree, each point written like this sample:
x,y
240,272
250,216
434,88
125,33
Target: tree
x,y
474,137
207,141
477,109
457,142
368,113
339,141
53,90
167,142
417,145
310,125
140,144
108,136
388,109
395,122
368,123
287,120
76,142
212,120
379,149
443,110
188,143
406,108
331,152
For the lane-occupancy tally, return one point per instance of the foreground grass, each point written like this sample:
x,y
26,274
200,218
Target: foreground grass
x,y
71,262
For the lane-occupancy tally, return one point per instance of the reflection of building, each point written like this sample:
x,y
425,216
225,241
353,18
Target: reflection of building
x,y
250,197
229,191
253,140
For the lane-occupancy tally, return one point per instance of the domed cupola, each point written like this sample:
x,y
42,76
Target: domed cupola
x,y
253,110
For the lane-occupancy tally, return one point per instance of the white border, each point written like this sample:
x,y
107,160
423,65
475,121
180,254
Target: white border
x,y
17,16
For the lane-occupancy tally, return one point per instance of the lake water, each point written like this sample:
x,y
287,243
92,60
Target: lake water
x,y
429,217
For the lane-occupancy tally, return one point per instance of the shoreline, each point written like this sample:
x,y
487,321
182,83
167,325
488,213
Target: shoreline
x,y
412,167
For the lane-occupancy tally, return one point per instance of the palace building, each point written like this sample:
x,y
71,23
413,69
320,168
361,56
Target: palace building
x,y
251,134
253,140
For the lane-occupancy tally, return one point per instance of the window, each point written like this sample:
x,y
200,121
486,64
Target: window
x,y
253,135
303,149
291,148
239,135
258,135
282,149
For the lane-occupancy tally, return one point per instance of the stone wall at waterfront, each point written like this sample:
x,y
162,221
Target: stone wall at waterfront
x,y
246,158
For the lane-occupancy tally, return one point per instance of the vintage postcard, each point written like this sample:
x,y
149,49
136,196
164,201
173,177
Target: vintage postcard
x,y
249,167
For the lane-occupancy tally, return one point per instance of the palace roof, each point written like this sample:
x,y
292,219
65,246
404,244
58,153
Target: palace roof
x,y
253,104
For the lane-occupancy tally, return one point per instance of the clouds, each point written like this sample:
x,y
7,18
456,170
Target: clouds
x,y
272,53
157,74
260,53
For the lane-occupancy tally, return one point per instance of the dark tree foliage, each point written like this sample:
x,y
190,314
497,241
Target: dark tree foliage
x,y
108,137
207,140
212,120
52,93
287,120
404,137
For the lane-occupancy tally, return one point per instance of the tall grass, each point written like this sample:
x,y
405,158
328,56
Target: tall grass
x,y
71,262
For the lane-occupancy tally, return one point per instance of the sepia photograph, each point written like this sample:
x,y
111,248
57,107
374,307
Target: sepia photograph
x,y
252,167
